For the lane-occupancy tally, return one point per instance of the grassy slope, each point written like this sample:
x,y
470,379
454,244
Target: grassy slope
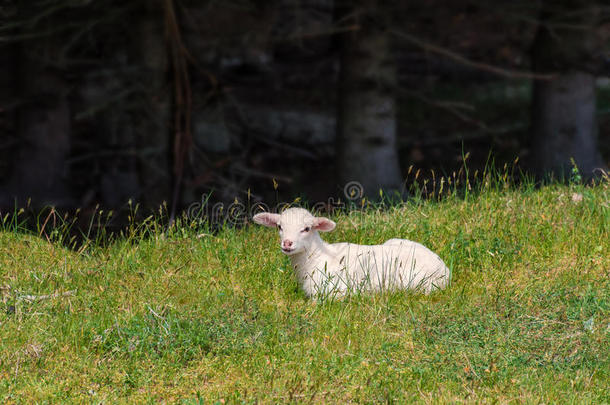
x,y
527,317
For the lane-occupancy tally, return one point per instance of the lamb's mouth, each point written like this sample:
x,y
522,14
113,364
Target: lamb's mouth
x,y
287,250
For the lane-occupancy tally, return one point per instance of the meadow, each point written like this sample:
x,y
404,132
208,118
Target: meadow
x,y
190,315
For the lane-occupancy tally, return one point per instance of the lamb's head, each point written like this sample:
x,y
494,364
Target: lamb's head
x,y
298,228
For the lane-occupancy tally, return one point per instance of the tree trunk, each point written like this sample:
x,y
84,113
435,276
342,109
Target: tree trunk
x,y
9,53
564,122
366,139
153,132
44,126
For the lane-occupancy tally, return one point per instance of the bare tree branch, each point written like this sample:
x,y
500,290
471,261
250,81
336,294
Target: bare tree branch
x,y
513,74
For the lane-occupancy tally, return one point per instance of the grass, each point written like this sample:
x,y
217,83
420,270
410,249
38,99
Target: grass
x,y
192,317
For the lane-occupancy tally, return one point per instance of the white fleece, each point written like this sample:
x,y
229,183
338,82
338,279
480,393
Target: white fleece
x,y
325,269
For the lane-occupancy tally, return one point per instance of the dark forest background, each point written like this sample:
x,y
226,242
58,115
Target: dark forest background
x,y
168,100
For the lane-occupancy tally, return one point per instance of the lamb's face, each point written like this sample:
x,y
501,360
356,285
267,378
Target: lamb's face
x,y
297,228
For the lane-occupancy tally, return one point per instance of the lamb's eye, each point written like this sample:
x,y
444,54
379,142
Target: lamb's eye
x,y
306,229
279,227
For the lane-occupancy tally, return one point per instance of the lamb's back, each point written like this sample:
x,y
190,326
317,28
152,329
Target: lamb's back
x,y
398,263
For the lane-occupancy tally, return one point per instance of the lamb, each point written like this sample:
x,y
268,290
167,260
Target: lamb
x,y
336,269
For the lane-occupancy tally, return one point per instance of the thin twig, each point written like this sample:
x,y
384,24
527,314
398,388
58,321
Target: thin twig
x,y
514,74
182,101
51,214
33,298
452,108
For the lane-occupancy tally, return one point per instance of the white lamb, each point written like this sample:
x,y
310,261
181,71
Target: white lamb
x,y
335,269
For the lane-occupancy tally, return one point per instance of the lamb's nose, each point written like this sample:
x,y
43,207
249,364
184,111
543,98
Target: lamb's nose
x,y
287,243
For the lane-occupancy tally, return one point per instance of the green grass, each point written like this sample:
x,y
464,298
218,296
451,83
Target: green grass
x,y
171,316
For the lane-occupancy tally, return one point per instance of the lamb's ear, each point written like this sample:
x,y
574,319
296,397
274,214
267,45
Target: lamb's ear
x,y
323,224
267,219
